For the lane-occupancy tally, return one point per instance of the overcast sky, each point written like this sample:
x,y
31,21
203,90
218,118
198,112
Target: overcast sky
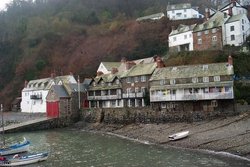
x,y
3,2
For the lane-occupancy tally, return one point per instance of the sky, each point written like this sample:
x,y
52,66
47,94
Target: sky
x,y
3,2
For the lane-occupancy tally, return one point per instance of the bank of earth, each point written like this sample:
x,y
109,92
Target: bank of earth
x,y
228,134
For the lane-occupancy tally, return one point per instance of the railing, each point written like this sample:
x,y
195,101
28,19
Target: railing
x,y
35,97
133,95
203,96
105,97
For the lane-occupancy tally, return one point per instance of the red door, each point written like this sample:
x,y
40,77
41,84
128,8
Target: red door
x,y
53,109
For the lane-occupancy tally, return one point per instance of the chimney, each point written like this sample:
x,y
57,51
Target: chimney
x,y
207,14
129,64
114,70
233,2
230,60
99,73
25,84
230,11
159,62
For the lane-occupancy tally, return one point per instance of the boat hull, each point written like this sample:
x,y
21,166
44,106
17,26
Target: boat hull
x,y
16,148
26,160
178,136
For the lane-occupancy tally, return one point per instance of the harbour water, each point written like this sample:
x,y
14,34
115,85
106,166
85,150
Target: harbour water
x,y
74,148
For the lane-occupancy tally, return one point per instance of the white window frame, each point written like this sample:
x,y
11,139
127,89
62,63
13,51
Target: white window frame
x,y
214,30
136,79
172,82
195,80
216,78
199,41
143,78
205,79
214,38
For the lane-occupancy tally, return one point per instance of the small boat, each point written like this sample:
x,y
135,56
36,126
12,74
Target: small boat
x,y
18,160
179,135
15,148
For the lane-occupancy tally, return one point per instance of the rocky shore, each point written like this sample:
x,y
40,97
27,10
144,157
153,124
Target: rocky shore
x,y
229,134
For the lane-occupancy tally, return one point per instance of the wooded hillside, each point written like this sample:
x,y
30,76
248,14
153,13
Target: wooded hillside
x,y
43,36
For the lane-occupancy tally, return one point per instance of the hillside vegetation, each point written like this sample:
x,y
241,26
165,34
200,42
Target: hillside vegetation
x,y
43,36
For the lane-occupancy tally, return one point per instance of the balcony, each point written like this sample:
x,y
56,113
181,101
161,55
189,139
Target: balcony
x,y
189,97
133,95
105,97
35,97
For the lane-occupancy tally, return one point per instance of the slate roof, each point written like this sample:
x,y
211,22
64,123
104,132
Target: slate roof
x,y
217,20
140,69
235,18
182,28
60,91
46,83
202,70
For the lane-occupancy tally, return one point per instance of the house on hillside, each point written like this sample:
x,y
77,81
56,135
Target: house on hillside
x,y
35,91
181,39
209,35
153,17
204,87
233,7
237,29
135,85
182,11
105,91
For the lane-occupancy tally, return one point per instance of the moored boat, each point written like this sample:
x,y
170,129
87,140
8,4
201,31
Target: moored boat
x,y
18,160
15,148
179,135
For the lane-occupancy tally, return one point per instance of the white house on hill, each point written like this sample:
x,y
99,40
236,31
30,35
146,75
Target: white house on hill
x,y
182,11
237,29
181,39
35,91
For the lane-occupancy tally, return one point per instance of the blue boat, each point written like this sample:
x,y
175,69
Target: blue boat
x,y
15,148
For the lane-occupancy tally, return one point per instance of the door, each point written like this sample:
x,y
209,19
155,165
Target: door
x,y
53,109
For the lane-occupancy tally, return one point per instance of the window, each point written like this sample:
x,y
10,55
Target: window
x,y
231,28
190,35
129,80
172,81
143,78
185,16
232,37
185,36
195,80
214,30
206,32
185,10
243,28
198,33
117,81
205,79
174,38
94,84
162,82
109,84
214,38
143,89
216,78
205,67
242,21
136,79
199,41
102,83
173,11
136,90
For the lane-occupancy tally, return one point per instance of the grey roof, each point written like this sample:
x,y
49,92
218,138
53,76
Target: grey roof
x,y
46,83
235,18
60,91
153,16
217,20
202,70
140,69
182,28
179,6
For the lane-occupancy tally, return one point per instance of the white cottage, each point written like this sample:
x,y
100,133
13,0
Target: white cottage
x,y
35,92
182,11
233,8
181,39
237,29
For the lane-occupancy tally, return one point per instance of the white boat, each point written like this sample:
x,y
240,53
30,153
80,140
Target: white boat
x,y
179,135
18,160
15,148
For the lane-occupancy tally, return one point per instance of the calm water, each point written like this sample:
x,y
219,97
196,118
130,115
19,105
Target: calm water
x,y
69,148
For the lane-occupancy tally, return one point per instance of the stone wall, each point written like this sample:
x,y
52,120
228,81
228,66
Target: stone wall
x,y
187,112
